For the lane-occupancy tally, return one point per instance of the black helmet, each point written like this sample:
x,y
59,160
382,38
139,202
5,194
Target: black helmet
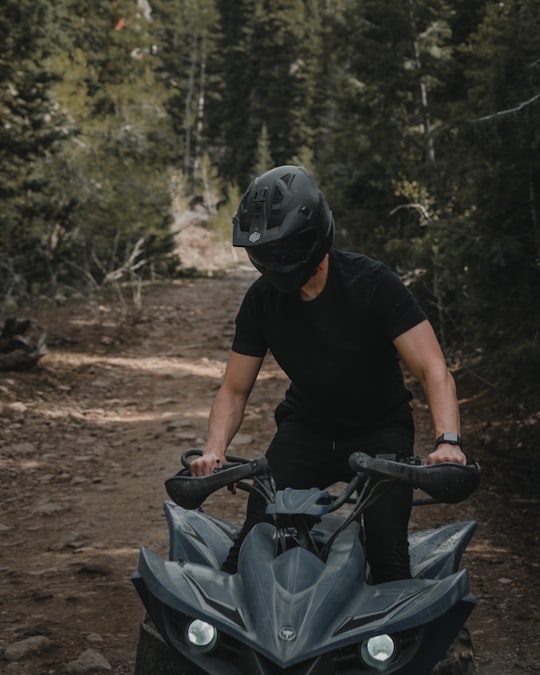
x,y
286,226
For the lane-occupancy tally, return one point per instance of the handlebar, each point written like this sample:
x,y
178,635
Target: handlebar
x,y
191,491
187,457
446,482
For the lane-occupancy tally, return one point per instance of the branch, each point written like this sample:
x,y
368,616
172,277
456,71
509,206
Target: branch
x,y
510,111
418,207
129,266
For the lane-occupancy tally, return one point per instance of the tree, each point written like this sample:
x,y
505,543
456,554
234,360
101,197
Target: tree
x,y
271,53
32,134
389,64
185,36
499,251
117,167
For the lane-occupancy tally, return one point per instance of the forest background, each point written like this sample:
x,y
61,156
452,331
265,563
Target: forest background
x,y
419,118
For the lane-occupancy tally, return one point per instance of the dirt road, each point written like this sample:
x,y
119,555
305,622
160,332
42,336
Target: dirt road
x,y
88,438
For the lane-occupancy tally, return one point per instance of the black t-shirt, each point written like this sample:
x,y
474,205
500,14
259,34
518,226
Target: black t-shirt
x,y
336,349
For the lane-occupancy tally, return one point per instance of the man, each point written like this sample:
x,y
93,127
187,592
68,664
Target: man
x,y
337,324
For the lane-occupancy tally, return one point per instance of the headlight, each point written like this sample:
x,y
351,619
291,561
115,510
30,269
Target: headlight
x,y
201,636
379,650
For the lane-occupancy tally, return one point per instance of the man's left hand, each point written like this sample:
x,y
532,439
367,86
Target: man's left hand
x,y
447,453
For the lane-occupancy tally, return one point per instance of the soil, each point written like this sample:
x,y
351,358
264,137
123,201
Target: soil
x,y
89,436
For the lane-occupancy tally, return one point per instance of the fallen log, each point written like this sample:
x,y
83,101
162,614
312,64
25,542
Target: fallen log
x,y
21,345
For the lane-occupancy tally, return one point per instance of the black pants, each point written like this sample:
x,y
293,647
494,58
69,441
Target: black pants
x,y
301,458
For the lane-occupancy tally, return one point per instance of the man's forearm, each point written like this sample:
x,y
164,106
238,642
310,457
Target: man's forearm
x,y
444,409
225,419
443,405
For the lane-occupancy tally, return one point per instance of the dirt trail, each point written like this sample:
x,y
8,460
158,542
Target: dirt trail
x,y
88,438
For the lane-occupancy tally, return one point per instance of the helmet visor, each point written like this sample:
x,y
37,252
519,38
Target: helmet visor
x,y
293,250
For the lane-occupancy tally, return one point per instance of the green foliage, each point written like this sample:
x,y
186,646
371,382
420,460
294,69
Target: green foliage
x,y
269,57
96,168
221,222
500,251
185,37
264,155
389,63
518,368
32,133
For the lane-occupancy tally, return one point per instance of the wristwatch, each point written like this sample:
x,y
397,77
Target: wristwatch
x,y
451,439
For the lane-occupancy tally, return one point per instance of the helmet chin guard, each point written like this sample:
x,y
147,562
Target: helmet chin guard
x,y
286,226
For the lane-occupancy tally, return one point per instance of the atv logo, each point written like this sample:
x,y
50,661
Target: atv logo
x,y
287,634
255,236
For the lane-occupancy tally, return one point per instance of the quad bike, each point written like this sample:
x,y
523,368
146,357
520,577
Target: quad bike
x,y
301,602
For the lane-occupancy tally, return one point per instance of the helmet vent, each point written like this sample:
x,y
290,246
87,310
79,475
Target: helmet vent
x,y
280,190
278,195
277,198
287,179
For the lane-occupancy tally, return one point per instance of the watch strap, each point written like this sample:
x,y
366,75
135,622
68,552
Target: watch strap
x,y
450,438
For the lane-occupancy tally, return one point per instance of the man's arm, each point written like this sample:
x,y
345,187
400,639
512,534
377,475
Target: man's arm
x,y
227,410
422,354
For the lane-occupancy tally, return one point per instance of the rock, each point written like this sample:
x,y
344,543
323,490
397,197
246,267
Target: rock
x,y
14,410
27,647
40,596
48,509
94,637
172,425
94,567
24,449
185,436
165,401
90,661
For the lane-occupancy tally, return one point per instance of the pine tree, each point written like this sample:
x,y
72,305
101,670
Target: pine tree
x,y
389,63
185,36
32,133
117,168
499,248
271,52
228,109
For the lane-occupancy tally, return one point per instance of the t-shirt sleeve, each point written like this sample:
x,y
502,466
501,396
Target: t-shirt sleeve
x,y
248,337
396,306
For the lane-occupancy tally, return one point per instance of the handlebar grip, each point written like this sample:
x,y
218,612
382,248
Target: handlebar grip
x,y
446,482
197,452
190,491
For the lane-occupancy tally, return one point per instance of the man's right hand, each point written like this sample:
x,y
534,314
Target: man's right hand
x,y
207,463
